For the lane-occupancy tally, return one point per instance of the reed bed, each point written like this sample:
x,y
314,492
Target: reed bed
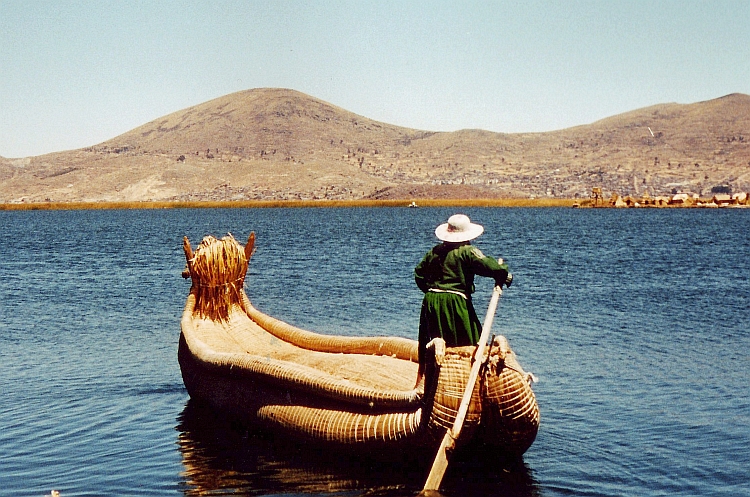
x,y
493,202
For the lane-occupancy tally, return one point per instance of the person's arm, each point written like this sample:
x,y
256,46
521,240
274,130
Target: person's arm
x,y
490,268
421,273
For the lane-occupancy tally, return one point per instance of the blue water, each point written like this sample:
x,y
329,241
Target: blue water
x,y
634,321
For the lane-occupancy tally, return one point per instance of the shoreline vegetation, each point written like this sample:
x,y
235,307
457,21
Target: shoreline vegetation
x,y
242,204
474,202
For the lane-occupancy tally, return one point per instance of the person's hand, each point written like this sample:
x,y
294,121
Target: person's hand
x,y
507,282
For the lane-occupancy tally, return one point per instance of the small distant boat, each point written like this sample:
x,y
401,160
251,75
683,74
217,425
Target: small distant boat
x,y
413,205
348,391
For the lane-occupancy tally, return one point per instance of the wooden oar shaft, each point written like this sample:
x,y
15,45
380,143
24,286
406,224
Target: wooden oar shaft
x,y
476,366
441,458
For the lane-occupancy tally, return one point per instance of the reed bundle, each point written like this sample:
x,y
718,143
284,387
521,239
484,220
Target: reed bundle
x,y
355,391
218,269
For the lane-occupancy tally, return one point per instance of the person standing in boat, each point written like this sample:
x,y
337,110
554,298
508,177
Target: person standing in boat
x,y
446,276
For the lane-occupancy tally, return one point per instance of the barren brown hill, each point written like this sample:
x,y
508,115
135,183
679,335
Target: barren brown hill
x,y
282,144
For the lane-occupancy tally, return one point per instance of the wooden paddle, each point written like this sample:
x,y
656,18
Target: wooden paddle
x,y
449,440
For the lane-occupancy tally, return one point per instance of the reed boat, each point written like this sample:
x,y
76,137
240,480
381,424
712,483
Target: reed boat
x,y
340,390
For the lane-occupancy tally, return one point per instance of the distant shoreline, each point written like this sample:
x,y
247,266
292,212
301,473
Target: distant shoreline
x,y
306,204
244,204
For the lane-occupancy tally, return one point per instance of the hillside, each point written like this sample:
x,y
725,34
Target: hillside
x,y
282,144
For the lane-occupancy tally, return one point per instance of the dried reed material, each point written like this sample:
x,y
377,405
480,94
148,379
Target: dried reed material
x,y
349,390
218,269
345,398
249,351
510,413
263,204
398,347
235,365
344,427
450,379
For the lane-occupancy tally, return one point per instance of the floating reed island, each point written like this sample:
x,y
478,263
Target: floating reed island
x,y
681,199
347,392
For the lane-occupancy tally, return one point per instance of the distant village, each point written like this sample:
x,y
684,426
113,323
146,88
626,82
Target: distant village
x,y
678,199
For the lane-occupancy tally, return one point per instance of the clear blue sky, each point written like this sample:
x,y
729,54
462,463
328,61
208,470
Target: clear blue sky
x,y
76,73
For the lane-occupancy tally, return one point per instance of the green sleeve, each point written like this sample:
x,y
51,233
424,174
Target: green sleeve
x,y
421,273
487,266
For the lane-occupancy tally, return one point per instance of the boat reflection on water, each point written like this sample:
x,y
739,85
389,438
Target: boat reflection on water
x,y
223,458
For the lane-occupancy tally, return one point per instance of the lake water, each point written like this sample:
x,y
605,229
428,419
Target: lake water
x,y
634,321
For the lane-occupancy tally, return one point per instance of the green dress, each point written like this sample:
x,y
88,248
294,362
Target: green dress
x,y
446,275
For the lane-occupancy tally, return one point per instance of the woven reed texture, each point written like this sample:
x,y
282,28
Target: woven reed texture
x,y
401,348
510,414
298,413
341,389
449,380
239,344
218,269
344,427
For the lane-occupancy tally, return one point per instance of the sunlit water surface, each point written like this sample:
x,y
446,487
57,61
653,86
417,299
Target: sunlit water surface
x,y
634,321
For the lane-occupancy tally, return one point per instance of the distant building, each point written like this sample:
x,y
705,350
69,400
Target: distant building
x,y
680,198
722,199
620,202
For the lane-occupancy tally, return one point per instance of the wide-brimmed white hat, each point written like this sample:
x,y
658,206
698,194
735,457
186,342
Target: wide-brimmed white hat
x,y
459,228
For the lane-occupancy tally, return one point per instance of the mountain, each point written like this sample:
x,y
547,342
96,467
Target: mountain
x,y
283,144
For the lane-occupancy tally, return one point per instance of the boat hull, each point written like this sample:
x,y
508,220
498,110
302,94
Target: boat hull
x,y
294,412
356,392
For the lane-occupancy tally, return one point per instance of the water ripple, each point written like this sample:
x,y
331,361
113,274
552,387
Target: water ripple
x,y
634,321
